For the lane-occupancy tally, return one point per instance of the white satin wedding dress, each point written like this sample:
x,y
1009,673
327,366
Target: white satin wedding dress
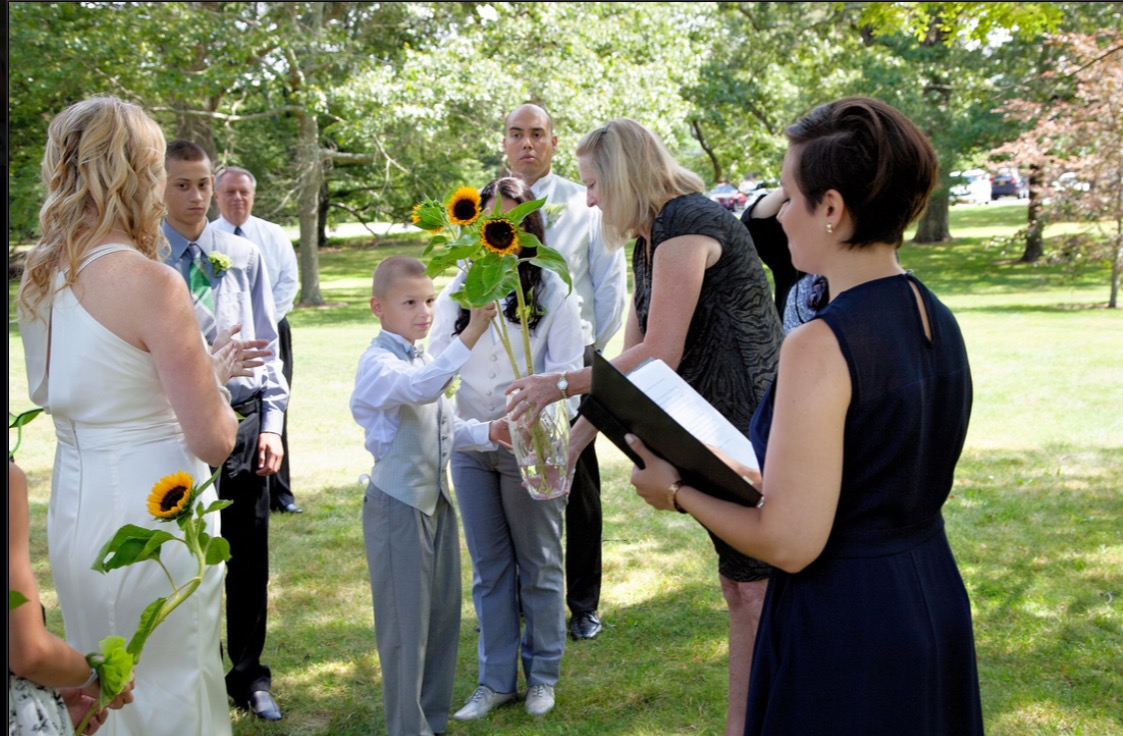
x,y
117,436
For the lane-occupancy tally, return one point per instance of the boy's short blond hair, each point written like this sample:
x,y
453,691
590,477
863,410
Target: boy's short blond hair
x,y
390,270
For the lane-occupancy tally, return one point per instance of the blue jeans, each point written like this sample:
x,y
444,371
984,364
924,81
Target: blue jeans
x,y
515,546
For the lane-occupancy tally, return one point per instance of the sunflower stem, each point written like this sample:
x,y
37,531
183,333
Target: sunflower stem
x,y
81,728
537,432
505,338
522,320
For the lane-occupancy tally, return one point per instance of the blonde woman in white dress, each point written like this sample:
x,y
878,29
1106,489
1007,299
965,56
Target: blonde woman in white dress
x,y
115,355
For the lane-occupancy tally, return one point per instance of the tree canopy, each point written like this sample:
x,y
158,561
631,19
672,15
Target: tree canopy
x,y
357,110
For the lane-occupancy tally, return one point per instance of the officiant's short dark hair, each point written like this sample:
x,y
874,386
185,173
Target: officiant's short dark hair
x,y
876,158
181,150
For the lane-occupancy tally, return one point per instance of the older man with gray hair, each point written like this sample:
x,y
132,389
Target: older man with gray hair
x,y
235,188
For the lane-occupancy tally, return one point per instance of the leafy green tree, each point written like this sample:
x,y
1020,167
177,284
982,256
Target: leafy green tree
x,y
942,65
765,65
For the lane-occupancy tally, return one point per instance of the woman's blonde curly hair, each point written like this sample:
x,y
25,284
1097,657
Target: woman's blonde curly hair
x,y
103,169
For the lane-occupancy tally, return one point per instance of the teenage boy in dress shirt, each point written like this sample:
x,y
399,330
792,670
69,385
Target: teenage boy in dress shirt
x,y
241,295
599,274
234,191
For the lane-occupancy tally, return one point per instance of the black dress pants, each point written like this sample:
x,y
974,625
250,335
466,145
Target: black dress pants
x,y
245,525
583,522
280,486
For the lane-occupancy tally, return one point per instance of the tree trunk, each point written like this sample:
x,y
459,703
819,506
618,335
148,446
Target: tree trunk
x,y
1116,271
308,198
195,128
322,216
933,225
719,175
1035,228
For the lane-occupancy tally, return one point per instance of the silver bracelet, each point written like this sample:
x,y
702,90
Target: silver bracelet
x,y
225,394
89,680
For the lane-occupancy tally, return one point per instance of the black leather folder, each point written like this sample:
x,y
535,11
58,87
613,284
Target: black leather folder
x,y
617,407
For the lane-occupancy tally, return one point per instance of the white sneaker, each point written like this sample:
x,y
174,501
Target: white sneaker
x,y
482,701
540,700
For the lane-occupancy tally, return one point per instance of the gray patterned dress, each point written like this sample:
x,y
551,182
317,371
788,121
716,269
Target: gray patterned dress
x,y
733,342
34,709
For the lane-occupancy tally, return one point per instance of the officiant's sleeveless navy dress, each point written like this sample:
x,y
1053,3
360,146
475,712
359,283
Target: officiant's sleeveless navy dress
x,y
875,636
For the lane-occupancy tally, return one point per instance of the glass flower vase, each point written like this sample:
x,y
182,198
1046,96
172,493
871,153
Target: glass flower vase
x,y
542,452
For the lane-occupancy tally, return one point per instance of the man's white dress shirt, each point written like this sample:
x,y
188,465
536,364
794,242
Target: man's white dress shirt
x,y
599,273
279,256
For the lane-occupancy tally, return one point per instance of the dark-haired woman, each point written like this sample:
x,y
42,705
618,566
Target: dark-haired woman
x,y
514,540
866,627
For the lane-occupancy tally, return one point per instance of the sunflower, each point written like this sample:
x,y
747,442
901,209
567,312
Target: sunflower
x,y
429,215
499,235
464,206
170,495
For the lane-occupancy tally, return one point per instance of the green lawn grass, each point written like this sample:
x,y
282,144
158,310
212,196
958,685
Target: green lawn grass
x,y
1035,519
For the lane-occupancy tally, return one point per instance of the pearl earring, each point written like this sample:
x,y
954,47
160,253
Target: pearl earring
x,y
830,228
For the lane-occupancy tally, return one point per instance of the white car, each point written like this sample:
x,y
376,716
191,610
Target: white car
x,y
971,187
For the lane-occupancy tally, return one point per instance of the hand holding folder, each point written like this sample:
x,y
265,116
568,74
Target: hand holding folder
x,y
675,422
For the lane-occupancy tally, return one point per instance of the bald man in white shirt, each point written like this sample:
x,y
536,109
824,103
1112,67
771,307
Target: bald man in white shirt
x,y
235,188
599,275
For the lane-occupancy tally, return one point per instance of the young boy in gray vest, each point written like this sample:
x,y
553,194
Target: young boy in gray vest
x,y
409,524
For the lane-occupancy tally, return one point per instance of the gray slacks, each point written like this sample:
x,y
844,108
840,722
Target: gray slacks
x,y
515,545
414,563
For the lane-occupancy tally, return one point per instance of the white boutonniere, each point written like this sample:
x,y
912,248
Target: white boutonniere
x,y
219,262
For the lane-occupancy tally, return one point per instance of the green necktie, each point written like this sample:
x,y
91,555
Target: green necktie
x,y
202,294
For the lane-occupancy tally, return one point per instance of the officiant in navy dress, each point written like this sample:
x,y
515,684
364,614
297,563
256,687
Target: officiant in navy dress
x,y
866,626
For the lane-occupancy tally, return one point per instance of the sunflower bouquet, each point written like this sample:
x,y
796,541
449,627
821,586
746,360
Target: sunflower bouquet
x,y
486,245
174,498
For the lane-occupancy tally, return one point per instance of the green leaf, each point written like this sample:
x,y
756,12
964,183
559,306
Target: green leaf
x,y
517,214
218,505
114,667
152,548
489,279
529,240
444,261
433,243
217,550
15,600
549,258
130,544
149,620
19,420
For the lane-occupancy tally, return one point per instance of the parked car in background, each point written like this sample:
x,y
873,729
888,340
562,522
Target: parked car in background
x,y
970,187
749,185
1068,181
1008,183
729,197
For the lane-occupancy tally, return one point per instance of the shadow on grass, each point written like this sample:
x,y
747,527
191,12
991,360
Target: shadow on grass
x,y
1033,533
328,678
1037,534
